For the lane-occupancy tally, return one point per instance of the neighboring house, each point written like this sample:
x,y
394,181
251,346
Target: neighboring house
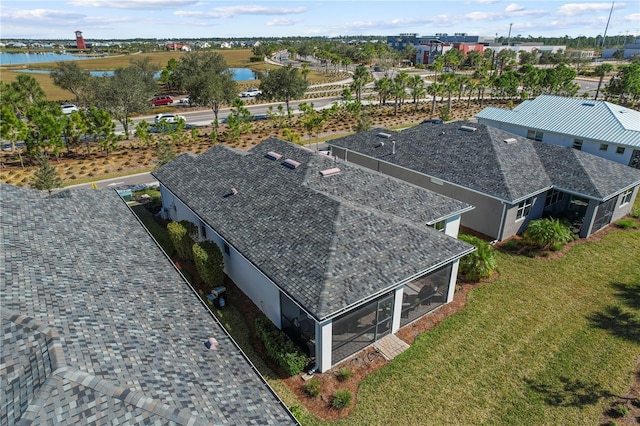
x,y
99,327
601,128
509,179
333,254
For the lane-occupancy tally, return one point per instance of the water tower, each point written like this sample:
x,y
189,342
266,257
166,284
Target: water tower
x,y
80,41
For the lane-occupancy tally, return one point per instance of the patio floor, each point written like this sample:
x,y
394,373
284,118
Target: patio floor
x,y
391,346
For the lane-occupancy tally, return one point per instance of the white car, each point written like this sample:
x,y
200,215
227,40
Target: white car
x,y
185,100
69,108
251,93
169,118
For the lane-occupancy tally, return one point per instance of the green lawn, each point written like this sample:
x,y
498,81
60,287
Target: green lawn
x,y
549,343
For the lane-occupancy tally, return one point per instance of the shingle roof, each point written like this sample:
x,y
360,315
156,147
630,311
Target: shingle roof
x,y
582,118
481,160
328,242
98,326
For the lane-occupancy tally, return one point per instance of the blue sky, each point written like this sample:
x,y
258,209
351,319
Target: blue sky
x,y
176,19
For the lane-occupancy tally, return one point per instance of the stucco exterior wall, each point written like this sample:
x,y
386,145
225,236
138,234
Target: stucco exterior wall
x,y
486,216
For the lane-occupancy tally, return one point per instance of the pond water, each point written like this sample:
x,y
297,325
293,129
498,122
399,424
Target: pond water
x,y
9,58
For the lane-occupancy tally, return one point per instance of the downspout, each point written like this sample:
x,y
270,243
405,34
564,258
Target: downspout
x,y
502,219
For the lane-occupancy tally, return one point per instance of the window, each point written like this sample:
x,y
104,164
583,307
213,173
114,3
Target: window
x,y
439,226
625,197
534,135
553,197
524,207
203,230
577,144
226,249
619,150
604,146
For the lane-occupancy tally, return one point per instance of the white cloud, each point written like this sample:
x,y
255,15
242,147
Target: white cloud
x,y
281,22
572,9
259,10
514,8
134,4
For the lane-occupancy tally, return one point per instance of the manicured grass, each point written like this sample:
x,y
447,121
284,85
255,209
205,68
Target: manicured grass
x,y
549,342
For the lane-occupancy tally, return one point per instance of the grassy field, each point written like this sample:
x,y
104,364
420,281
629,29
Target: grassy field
x,y
236,58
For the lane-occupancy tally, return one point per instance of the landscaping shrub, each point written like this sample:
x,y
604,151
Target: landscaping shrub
x,y
621,410
344,373
180,234
546,233
313,388
479,264
627,224
209,262
341,399
280,347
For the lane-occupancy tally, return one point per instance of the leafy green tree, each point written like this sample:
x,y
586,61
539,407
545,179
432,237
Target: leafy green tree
x,y
506,84
46,177
601,71
506,57
559,80
291,136
182,235
102,129
206,77
547,233
75,128
627,82
22,94
164,153
45,127
239,120
312,120
452,59
125,93
209,262
69,76
283,84
143,131
479,264
12,128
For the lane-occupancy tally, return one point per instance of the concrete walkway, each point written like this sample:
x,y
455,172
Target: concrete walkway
x,y
390,346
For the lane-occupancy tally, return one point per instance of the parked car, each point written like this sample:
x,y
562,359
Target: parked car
x,y
162,100
169,118
185,100
69,108
251,93
433,121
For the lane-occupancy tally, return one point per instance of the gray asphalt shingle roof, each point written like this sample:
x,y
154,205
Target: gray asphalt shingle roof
x,y
481,160
328,242
582,118
97,324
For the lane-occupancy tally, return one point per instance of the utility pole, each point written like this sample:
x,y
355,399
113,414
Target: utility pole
x,y
509,36
607,26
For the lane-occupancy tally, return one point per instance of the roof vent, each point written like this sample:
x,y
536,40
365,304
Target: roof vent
x,y
384,135
273,155
330,172
468,129
588,104
380,145
510,140
292,164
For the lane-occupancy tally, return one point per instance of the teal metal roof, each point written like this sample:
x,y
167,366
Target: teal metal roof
x,y
578,117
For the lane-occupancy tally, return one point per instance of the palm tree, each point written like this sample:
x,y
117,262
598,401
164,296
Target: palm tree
x,y
360,77
416,84
434,89
383,87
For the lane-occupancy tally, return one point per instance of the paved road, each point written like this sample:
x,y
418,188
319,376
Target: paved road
x,y
139,179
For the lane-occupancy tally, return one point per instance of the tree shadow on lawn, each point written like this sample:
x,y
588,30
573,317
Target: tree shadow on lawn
x,y
568,392
621,322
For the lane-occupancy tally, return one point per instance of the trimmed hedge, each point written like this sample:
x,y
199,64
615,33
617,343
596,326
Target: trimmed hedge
x,y
280,347
209,262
